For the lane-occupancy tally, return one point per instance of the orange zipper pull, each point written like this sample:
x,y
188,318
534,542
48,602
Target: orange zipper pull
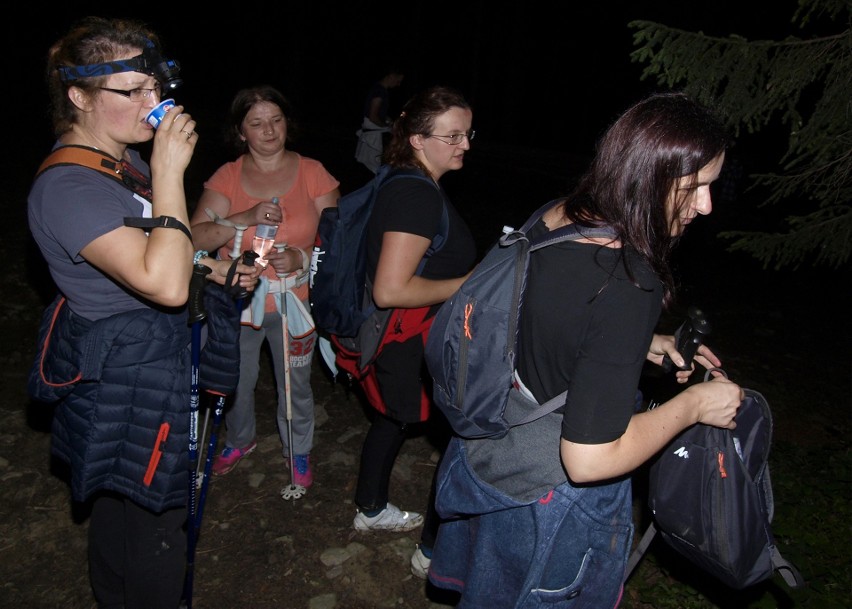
x,y
156,454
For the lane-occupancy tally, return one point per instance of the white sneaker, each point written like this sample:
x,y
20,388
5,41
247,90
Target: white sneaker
x,y
420,564
389,519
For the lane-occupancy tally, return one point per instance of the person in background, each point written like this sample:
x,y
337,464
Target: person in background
x,y
122,301
259,126
431,135
590,309
376,125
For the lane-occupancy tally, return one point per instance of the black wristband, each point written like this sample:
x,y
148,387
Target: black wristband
x,y
158,222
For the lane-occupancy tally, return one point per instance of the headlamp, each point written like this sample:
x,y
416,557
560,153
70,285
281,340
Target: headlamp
x,y
150,62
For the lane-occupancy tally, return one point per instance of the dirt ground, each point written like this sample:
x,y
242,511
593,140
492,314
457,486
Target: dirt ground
x,y
783,334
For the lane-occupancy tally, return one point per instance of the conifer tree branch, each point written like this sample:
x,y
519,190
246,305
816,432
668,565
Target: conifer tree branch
x,y
804,84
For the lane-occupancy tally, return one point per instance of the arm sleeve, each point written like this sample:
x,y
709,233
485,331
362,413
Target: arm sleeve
x,y
85,209
222,181
319,181
602,394
410,206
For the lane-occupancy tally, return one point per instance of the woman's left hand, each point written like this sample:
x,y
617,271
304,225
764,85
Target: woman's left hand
x,y
664,344
286,261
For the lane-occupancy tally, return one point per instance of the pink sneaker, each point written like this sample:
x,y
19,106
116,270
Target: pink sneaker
x,y
230,457
303,475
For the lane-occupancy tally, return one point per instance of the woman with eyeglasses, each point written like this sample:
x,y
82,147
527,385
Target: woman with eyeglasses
x,y
431,136
119,365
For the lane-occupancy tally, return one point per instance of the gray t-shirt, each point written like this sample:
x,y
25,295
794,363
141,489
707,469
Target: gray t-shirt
x,y
68,207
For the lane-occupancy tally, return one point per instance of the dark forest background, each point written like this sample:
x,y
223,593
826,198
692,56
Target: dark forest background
x,y
545,79
539,75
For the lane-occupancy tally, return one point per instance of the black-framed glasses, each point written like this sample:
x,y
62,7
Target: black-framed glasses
x,y
138,94
454,139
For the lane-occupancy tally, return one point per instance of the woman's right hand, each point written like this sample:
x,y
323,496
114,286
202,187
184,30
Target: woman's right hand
x,y
265,212
174,142
245,276
716,401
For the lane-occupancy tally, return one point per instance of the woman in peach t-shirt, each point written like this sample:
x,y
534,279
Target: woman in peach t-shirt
x,y
242,191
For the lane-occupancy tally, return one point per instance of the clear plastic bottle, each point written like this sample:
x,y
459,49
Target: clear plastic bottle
x,y
264,239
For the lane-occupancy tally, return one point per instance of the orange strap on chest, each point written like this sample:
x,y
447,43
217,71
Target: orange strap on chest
x,y
87,157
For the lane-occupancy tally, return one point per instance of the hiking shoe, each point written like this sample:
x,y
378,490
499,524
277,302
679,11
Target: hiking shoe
x,y
389,519
230,457
420,563
302,473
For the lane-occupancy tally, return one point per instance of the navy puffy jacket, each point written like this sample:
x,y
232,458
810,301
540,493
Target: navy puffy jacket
x,y
123,382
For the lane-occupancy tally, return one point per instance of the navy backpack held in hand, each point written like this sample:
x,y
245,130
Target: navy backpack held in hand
x,y
711,499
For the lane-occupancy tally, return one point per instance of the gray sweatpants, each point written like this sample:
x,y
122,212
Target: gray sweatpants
x,y
240,418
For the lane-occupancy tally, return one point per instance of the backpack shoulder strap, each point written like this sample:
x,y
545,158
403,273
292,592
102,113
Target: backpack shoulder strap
x,y
84,156
549,406
566,233
785,568
122,172
441,237
389,174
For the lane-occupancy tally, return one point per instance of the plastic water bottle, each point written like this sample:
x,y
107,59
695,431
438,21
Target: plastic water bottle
x,y
264,239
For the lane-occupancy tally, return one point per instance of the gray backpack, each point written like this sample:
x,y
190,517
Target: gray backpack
x,y
472,343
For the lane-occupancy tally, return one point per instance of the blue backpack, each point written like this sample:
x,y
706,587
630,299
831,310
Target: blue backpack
x,y
472,343
338,274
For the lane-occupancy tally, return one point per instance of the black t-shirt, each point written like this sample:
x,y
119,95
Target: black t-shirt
x,y
414,206
586,327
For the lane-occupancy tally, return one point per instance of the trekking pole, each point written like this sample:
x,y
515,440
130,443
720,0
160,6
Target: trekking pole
x,y
197,314
239,229
219,407
238,236
248,259
293,490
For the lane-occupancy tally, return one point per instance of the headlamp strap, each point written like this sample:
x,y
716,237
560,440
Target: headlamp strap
x,y
149,62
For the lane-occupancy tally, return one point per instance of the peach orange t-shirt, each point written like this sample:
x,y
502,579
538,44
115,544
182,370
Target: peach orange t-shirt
x,y
301,219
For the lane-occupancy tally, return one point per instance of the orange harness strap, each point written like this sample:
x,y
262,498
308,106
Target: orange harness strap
x,y
87,157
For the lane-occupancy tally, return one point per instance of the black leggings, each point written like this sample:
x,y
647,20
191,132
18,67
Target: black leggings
x,y
137,559
381,446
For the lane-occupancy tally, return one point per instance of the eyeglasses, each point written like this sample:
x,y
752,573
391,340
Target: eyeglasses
x,y
456,138
136,95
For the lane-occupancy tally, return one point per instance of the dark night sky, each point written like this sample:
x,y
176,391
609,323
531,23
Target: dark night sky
x,y
536,76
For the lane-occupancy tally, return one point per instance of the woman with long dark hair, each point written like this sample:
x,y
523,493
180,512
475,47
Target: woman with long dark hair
x,y
587,326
